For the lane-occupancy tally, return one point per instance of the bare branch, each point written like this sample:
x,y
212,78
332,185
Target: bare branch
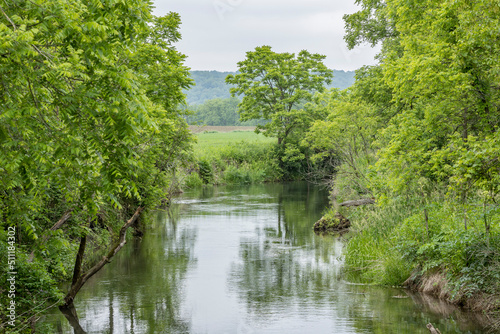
x,y
8,18
77,285
65,217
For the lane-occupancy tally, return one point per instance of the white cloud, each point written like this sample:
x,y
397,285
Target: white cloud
x,y
217,33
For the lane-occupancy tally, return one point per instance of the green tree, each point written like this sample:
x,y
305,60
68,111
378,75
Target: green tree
x,y
89,128
445,83
441,71
437,96
345,138
276,86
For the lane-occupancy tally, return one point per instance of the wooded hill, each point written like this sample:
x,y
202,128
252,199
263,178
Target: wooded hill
x,y
210,85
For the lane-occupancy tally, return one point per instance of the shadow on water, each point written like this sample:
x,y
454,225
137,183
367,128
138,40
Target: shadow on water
x,y
72,317
245,260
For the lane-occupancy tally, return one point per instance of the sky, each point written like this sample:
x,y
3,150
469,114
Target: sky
x,y
216,34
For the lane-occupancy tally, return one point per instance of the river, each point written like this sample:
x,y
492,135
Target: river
x,y
242,260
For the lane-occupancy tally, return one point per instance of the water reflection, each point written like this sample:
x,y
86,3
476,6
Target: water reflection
x,y
245,260
71,315
142,289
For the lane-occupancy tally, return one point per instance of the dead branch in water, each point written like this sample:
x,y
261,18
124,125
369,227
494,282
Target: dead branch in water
x,y
358,202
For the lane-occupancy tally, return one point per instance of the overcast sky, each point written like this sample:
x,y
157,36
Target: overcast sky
x,y
217,33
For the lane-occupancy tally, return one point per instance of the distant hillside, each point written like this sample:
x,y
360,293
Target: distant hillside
x,y
210,85
342,79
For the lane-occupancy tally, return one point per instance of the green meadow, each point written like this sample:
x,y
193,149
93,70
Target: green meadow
x,y
236,157
212,142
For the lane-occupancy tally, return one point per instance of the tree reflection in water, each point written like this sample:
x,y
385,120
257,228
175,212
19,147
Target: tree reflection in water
x,y
141,290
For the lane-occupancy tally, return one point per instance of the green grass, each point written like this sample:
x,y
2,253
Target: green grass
x,y
238,157
210,143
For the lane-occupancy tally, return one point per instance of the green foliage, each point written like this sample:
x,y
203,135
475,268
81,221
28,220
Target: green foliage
x,y
277,87
193,180
391,247
371,24
35,287
235,175
219,112
420,133
233,158
90,125
346,135
205,171
275,84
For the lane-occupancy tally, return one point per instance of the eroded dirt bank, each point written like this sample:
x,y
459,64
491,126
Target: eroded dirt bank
x,y
437,285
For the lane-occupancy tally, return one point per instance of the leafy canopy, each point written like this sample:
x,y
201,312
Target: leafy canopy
x,y
276,86
90,124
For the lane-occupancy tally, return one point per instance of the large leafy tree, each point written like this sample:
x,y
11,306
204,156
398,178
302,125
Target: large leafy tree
x,y
89,129
371,24
446,82
438,155
439,60
276,86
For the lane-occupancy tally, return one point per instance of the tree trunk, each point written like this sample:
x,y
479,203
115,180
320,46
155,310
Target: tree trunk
x,y
80,281
70,314
79,259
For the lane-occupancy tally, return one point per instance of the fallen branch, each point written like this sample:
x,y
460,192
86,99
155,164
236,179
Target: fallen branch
x,y
78,282
358,202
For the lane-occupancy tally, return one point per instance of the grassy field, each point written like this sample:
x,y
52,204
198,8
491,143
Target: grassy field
x,y
211,142
210,128
231,155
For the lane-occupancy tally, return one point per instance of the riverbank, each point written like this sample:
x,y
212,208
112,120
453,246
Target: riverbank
x,y
438,285
428,248
231,157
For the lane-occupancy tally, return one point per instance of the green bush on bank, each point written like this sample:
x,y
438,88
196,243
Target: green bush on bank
x,y
393,240
246,157
371,253
230,169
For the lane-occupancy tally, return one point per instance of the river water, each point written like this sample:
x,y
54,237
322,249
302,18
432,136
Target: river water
x,y
243,260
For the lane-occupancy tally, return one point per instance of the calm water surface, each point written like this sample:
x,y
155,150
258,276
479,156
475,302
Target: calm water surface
x,y
245,260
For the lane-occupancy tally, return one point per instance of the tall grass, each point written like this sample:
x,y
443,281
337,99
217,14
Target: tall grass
x,y
405,235
408,233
